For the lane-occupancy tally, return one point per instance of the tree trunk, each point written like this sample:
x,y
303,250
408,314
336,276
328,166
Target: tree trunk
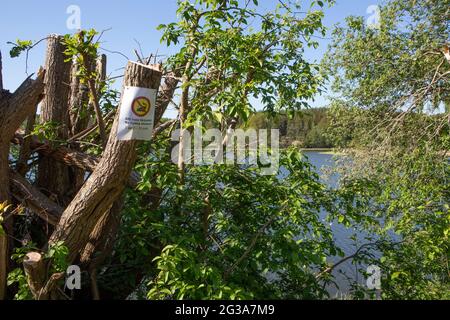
x,y
69,157
101,241
22,166
35,271
94,92
4,196
33,199
14,109
103,236
101,70
184,104
54,178
108,181
80,109
165,96
78,103
101,244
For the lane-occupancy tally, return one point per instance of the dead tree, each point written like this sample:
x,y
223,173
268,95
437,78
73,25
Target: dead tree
x,y
106,184
14,109
54,178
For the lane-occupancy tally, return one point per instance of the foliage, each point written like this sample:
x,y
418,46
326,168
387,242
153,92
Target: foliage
x,y
409,199
316,138
19,46
399,66
389,80
46,131
17,276
306,128
82,47
232,233
231,51
58,253
109,97
229,232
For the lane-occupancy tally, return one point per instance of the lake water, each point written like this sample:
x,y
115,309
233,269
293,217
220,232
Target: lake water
x,y
348,270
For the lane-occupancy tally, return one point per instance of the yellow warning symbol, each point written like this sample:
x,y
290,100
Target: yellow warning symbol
x,y
141,106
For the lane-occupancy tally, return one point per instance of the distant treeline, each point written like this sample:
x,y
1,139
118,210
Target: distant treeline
x,y
306,129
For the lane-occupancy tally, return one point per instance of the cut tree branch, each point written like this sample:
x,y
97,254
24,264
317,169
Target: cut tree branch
x,y
33,199
35,271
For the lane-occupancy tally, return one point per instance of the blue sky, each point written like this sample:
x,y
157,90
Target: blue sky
x,y
129,21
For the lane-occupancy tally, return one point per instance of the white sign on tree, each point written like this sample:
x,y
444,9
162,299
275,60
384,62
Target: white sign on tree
x,y
137,114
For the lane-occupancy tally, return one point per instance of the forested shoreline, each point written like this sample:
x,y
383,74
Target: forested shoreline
x,y
317,128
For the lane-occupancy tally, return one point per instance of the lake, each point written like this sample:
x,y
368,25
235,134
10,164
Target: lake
x,y
347,270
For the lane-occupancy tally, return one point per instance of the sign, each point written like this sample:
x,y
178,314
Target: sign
x,y
137,114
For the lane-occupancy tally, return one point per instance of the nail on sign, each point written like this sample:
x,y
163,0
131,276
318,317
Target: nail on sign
x,y
137,114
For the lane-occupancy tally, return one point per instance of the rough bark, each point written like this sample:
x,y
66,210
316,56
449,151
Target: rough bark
x,y
35,271
33,199
78,103
14,109
101,244
95,99
69,157
101,69
4,252
108,181
22,166
165,96
102,237
80,107
105,186
54,178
